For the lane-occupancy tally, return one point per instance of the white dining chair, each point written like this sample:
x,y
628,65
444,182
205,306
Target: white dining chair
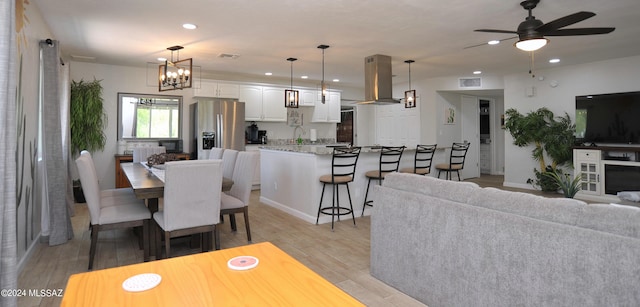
x,y
141,154
110,212
216,153
228,162
192,208
122,195
237,199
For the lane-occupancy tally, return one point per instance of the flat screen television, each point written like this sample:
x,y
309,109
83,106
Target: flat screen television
x,y
608,118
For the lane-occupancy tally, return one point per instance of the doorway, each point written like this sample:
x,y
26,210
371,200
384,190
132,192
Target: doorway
x,y
485,136
344,129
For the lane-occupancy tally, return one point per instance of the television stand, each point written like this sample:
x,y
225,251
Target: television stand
x,y
606,170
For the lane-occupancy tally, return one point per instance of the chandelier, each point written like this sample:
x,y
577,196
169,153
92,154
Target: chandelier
x,y
174,75
323,85
291,96
410,95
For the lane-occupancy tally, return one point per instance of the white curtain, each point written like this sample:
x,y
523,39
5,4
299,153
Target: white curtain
x,y
8,136
54,138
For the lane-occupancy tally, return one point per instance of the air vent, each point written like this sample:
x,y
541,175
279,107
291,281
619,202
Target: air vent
x,y
470,82
228,56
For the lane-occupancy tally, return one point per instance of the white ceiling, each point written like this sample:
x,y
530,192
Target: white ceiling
x,y
265,33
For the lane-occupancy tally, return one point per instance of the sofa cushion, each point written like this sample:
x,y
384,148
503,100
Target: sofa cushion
x,y
426,185
615,219
558,210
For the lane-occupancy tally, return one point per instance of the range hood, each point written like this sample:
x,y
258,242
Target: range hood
x,y
377,80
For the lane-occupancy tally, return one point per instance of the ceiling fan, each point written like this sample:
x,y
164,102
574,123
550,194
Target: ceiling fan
x,y
531,32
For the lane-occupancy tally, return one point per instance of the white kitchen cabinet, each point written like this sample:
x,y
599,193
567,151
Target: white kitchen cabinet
x,y
329,112
396,125
215,89
263,103
256,175
308,98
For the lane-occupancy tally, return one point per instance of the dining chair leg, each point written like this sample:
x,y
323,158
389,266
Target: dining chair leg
x,y
246,223
167,244
158,241
145,239
336,194
458,172
232,221
216,236
94,242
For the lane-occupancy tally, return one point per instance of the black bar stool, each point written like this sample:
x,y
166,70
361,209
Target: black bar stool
x,y
422,160
389,162
456,160
343,168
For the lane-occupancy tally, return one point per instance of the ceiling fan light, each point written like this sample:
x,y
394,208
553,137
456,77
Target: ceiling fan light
x,y
531,44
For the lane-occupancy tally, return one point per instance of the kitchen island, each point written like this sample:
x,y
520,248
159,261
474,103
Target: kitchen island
x,y
290,175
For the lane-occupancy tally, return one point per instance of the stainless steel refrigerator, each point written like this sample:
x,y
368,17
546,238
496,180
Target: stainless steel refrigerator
x,y
216,122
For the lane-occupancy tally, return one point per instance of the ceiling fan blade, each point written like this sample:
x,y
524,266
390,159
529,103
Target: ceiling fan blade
x,y
564,21
478,45
579,31
496,31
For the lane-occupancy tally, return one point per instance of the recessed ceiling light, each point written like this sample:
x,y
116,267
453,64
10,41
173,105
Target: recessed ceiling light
x,y
554,61
305,77
189,26
268,74
162,59
336,80
493,42
477,72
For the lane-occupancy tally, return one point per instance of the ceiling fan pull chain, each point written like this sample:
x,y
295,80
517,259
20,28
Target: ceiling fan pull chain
x,y
532,65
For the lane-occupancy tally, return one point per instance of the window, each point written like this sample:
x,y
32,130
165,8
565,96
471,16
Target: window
x,y
149,117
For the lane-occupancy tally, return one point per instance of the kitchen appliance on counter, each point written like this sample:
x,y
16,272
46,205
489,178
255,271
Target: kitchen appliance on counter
x,y
262,136
216,122
252,134
172,146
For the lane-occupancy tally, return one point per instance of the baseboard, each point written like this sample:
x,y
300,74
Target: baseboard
x,y
525,186
27,255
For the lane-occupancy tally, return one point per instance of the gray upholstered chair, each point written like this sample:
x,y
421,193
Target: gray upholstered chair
x,y
191,202
422,160
216,153
228,162
389,162
456,160
237,199
140,154
110,210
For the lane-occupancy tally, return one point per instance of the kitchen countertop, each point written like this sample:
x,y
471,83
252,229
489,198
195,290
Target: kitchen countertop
x,y
325,149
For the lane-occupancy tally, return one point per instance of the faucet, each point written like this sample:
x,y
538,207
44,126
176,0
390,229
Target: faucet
x,y
299,138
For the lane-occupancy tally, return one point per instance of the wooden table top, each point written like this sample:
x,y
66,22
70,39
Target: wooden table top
x,y
146,185
205,280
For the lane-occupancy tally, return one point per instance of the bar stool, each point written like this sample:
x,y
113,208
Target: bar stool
x,y
343,168
422,160
456,160
389,162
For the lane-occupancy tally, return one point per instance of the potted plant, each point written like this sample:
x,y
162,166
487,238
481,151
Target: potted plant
x,y
552,137
568,185
87,122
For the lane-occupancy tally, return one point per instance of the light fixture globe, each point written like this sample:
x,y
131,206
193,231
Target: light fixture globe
x,y
531,44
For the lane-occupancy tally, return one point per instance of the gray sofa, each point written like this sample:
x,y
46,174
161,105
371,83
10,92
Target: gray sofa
x,y
451,243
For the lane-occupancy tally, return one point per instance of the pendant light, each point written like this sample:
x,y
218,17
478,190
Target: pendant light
x,y
291,96
323,86
410,95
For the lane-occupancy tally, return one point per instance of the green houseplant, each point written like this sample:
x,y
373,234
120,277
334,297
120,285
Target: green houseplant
x,y
551,136
569,186
87,122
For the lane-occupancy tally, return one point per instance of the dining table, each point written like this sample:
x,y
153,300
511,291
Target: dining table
x,y
274,278
147,183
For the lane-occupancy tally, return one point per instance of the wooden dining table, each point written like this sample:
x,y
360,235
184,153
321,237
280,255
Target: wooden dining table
x,y
205,279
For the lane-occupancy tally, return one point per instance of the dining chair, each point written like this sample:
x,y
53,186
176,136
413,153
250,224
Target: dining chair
x,y
108,212
140,154
389,162
125,194
191,203
228,162
237,199
216,153
422,160
343,169
456,160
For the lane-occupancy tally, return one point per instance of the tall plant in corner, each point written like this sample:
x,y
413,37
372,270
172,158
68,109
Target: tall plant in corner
x,y
87,123
551,136
87,120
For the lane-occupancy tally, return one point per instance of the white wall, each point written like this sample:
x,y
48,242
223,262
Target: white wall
x,y
611,76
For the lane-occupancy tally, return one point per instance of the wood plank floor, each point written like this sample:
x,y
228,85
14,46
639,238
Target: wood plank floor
x,y
341,256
